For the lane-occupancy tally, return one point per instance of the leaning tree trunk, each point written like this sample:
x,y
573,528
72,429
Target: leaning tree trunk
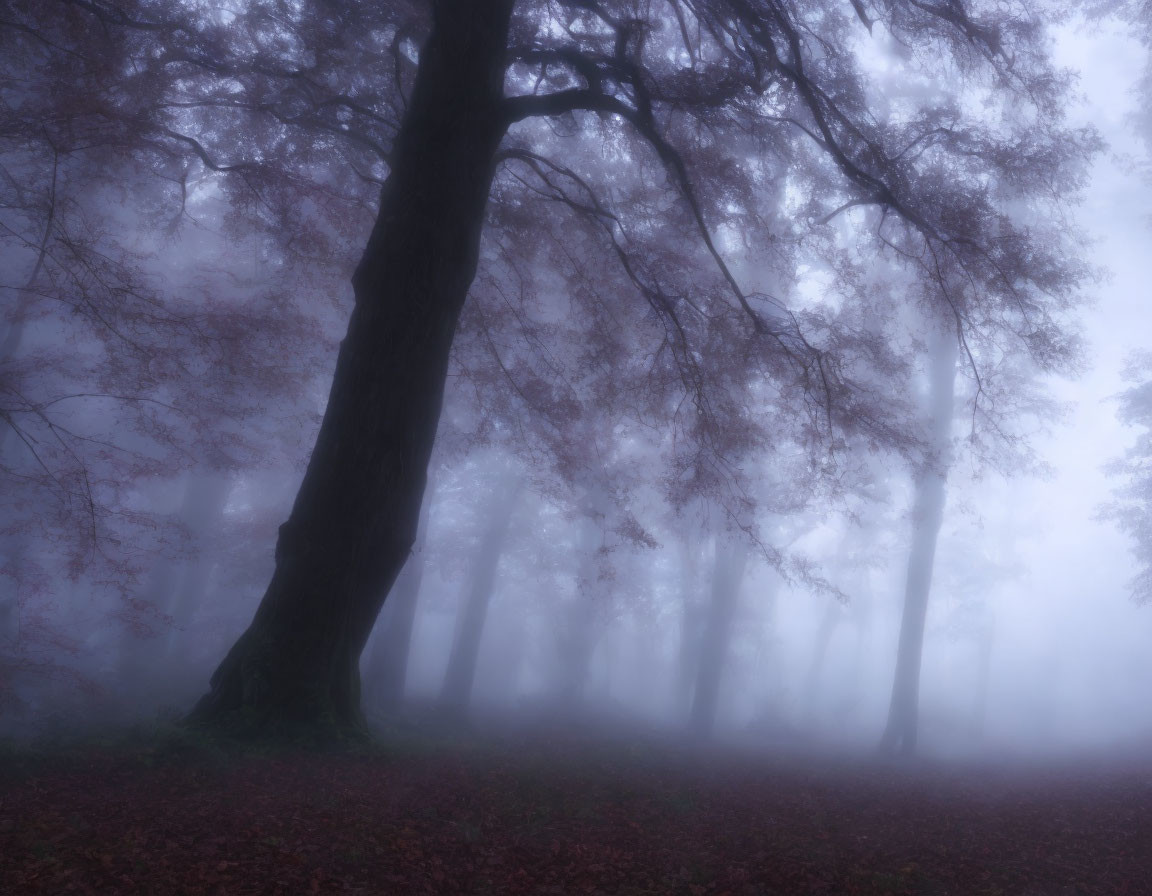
x,y
456,693
727,572
387,666
296,668
927,516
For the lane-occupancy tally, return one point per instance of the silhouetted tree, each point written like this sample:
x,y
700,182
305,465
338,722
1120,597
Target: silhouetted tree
x,y
1132,507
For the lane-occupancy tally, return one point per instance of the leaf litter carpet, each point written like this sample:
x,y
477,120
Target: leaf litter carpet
x,y
549,816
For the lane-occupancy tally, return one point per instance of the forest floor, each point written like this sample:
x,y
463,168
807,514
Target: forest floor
x,y
540,812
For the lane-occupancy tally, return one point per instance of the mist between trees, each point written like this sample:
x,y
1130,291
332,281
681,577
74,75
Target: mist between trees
x,y
662,363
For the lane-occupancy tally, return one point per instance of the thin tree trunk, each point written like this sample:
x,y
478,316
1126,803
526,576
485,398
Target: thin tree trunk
x,y
388,662
13,545
205,497
927,517
689,654
986,636
139,674
174,588
456,694
296,669
829,622
576,637
727,573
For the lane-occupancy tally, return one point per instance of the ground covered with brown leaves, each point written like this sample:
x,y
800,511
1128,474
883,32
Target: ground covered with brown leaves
x,y
536,814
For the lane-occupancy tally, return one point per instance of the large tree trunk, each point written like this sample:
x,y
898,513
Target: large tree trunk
x,y
296,668
927,516
387,665
456,693
727,573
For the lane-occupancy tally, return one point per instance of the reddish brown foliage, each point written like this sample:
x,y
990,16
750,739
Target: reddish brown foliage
x,y
463,823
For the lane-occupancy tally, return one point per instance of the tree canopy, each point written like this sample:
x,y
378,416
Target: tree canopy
x,y
687,204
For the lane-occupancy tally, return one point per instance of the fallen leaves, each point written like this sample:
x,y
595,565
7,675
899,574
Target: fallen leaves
x,y
444,823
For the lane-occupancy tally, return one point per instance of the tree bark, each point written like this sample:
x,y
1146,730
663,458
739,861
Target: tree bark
x,y
927,517
727,573
456,694
295,671
388,660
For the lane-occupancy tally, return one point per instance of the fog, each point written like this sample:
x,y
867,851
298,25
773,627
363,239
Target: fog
x,y
763,613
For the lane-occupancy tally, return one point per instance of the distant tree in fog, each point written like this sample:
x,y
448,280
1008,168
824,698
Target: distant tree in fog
x,y
927,517
1132,507
728,563
456,693
1135,18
